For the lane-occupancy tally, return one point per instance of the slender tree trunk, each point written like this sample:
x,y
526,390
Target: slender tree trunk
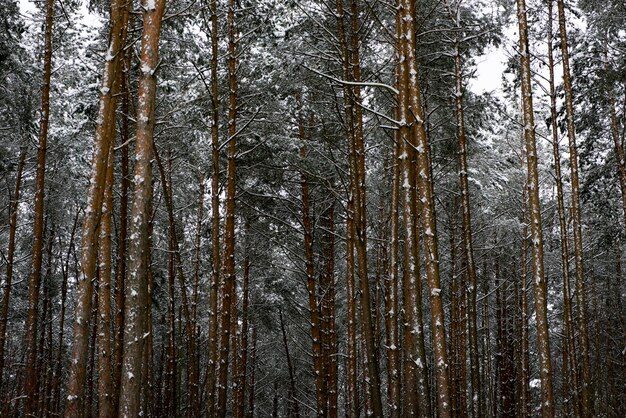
x,y
215,217
524,395
586,397
292,379
240,389
138,287
416,390
391,294
428,217
120,275
467,248
352,398
30,382
252,374
178,272
105,383
316,335
6,294
569,348
105,131
59,362
229,227
539,279
328,304
357,151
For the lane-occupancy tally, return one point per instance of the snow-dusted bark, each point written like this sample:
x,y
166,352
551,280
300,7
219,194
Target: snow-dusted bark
x,y
586,397
229,225
8,281
105,131
137,329
30,379
215,217
570,375
539,277
426,204
415,374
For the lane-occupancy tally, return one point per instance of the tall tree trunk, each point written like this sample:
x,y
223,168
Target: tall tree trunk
x,y
252,374
357,151
292,379
586,397
105,384
105,131
6,294
352,398
240,389
178,272
120,274
391,293
428,216
569,348
539,279
30,382
316,334
469,264
416,388
229,227
137,315
328,309
215,218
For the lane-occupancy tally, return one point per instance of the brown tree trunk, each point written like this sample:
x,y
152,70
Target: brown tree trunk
x,y
30,382
105,131
105,384
240,389
215,218
292,379
416,390
252,374
569,348
391,293
428,216
120,274
586,397
229,227
177,266
352,398
357,163
539,279
328,312
524,394
316,334
6,294
138,288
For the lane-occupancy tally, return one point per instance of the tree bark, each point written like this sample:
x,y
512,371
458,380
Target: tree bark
x,y
137,314
105,131
30,384
586,397
539,279
6,294
428,216
569,348
229,227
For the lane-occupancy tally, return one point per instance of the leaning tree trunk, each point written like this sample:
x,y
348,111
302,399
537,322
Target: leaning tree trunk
x,y
34,281
136,329
539,277
105,132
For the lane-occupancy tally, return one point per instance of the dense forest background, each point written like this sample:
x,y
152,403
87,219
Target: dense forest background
x,y
312,208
